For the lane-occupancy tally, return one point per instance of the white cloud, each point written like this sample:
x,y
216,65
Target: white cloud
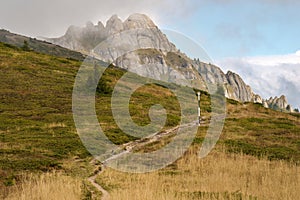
x,y
269,75
52,18
276,60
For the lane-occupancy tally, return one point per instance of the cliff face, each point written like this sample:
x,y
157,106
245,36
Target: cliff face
x,y
136,45
81,39
169,67
279,103
137,30
139,46
239,90
235,87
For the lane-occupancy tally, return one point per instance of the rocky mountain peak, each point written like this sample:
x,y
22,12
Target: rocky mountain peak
x,y
139,29
283,98
89,24
278,103
114,25
71,30
138,21
100,25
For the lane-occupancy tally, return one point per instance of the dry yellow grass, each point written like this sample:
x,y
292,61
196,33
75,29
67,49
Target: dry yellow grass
x,y
48,186
55,125
219,176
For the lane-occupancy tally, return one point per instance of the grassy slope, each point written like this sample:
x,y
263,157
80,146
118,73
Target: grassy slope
x,y
36,125
37,132
38,45
219,176
259,131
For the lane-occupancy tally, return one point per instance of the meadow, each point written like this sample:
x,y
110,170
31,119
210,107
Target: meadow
x,y
42,156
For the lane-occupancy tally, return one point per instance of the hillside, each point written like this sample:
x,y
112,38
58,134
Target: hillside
x,y
38,45
37,131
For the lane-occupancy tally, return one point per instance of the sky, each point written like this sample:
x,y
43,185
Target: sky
x,y
257,39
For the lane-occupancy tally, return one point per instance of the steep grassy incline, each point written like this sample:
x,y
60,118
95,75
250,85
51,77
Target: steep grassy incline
x,y
37,131
258,131
36,125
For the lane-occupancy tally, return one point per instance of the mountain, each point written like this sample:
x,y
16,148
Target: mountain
x,y
85,39
139,46
38,45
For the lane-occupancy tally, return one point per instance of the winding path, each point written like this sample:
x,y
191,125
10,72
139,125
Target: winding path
x,y
128,148
92,180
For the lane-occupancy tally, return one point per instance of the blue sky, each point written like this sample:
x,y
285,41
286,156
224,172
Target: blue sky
x,y
226,28
243,28
241,36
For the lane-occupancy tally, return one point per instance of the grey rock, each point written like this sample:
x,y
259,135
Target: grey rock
x,y
235,87
114,25
136,21
155,64
130,40
279,103
137,30
211,73
239,90
257,99
265,104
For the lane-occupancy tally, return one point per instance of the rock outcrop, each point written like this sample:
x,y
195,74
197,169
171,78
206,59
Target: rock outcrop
x,y
279,103
265,103
235,87
170,67
114,25
81,39
239,90
257,99
135,21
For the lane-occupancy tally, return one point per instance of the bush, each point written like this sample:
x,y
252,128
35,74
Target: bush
x,y
25,46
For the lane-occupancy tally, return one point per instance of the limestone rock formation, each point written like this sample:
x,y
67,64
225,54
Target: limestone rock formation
x,y
137,30
114,25
257,99
169,67
279,103
240,91
81,39
265,103
235,87
135,21
211,73
139,46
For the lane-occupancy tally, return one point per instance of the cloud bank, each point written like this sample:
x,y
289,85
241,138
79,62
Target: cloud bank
x,y
269,75
52,18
